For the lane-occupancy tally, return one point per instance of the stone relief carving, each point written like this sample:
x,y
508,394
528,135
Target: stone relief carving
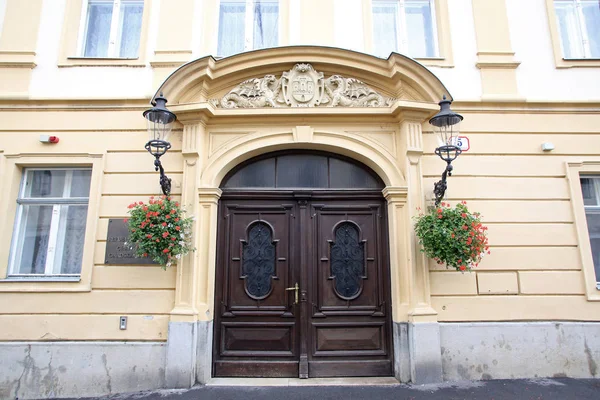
x,y
302,86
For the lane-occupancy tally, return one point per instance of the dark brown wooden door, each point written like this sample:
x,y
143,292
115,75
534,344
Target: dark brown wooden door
x,y
349,319
336,250
257,322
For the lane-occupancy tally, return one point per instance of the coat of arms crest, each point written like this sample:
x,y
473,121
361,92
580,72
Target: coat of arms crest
x,y
302,86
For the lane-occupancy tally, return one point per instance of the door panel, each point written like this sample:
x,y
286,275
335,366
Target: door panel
x,y
256,332
337,252
351,320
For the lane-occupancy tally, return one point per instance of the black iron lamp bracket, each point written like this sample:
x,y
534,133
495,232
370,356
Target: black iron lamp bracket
x,y
447,153
160,147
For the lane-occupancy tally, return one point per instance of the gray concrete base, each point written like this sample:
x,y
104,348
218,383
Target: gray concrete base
x,y
180,366
425,358
401,352
189,354
32,370
520,350
204,351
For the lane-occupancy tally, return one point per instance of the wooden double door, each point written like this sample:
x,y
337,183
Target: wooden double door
x,y
302,286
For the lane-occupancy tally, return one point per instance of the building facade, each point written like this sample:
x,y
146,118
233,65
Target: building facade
x,y
299,121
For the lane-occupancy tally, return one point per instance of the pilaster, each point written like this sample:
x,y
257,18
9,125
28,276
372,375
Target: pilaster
x,y
18,41
495,57
423,337
186,292
411,136
208,199
175,36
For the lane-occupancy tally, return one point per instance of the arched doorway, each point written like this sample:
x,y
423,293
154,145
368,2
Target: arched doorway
x,y
302,270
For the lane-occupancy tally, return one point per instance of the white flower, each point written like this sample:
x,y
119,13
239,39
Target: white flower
x,y
169,264
182,235
178,256
181,243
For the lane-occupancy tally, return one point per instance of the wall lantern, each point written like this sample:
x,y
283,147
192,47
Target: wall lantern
x,y
446,124
160,121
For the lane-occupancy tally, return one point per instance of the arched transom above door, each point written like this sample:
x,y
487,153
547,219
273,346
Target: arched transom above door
x,y
304,170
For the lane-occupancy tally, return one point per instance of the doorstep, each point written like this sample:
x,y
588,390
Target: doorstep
x,y
366,381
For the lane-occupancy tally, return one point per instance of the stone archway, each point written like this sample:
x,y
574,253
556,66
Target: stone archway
x,y
386,136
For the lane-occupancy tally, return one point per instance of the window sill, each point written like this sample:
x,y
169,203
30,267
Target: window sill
x,y
578,63
101,62
40,278
23,283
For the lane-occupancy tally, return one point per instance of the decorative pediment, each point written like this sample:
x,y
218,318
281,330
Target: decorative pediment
x,y
302,86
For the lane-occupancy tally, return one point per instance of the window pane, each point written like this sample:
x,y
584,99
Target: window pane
x,y
32,245
568,27
266,26
385,29
80,187
231,28
302,170
591,14
130,26
45,183
419,27
589,192
98,28
71,236
593,222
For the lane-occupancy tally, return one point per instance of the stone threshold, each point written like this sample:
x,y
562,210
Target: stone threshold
x,y
363,381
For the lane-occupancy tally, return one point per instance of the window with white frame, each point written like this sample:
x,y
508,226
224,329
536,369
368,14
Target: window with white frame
x,y
247,25
111,28
405,26
50,223
579,28
590,186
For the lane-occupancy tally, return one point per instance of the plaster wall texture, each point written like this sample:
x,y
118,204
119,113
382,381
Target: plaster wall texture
x,y
463,80
343,20
2,11
31,370
48,80
537,76
472,351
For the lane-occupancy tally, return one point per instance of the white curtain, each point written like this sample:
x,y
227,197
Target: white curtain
x,y
69,246
231,28
568,26
130,27
266,24
33,241
591,13
98,29
419,27
385,29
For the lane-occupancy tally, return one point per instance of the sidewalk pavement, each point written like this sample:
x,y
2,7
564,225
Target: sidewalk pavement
x,y
529,389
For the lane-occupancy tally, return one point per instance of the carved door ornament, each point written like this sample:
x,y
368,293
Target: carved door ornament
x,y
347,261
258,261
302,86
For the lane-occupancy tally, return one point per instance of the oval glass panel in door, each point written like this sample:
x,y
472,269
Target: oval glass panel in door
x,y
347,261
258,260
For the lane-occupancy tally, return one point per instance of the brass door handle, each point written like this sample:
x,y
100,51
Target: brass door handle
x,y
295,288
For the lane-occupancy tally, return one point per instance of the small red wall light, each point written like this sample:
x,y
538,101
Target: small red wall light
x,y
49,139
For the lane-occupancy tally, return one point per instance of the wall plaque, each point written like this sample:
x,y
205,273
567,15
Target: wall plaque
x,y
116,251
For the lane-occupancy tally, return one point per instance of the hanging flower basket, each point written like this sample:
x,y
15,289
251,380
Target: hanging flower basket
x,y
160,230
452,236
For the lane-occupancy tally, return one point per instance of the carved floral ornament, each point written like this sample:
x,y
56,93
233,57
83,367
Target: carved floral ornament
x,y
302,86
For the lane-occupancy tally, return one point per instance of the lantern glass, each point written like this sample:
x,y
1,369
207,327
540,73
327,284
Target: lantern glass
x,y
160,123
446,124
448,132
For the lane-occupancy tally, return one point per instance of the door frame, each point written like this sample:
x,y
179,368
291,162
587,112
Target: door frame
x,y
303,274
